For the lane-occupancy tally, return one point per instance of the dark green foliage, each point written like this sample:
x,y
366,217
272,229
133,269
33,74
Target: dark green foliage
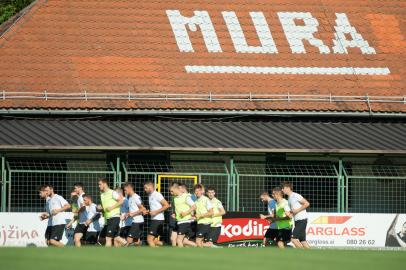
x,y
9,8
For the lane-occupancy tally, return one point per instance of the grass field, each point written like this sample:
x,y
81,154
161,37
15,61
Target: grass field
x,y
196,259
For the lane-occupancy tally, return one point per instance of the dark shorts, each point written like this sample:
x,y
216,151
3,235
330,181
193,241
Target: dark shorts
x,y
271,234
185,229
214,234
91,238
113,227
173,225
81,228
57,232
203,231
135,231
299,232
156,228
48,233
284,235
124,231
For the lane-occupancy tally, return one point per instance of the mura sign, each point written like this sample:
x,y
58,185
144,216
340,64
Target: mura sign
x,y
346,36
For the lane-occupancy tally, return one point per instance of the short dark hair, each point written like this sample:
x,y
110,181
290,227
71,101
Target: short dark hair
x,y
266,193
198,186
78,184
48,185
211,188
128,184
287,184
42,187
149,183
277,190
103,180
88,196
174,184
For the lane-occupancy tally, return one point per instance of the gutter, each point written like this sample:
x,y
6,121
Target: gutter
x,y
174,112
198,149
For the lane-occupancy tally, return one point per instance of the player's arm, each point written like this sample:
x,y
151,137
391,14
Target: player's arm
x,y
165,205
221,212
209,213
44,216
65,207
192,208
119,201
141,210
266,216
305,204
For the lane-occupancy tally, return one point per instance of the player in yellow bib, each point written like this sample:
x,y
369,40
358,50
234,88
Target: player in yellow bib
x,y
110,205
204,213
282,217
184,207
217,218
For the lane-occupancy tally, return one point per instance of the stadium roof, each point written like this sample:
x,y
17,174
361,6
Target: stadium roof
x,y
233,136
285,55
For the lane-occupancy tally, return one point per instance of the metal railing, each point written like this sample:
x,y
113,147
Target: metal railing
x,y
247,97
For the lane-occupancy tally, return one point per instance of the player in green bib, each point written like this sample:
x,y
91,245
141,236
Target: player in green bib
x,y
217,218
282,217
204,213
184,207
110,205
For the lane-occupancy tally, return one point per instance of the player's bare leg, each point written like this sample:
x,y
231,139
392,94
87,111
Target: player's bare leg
x,y
207,244
158,242
151,240
130,241
109,241
188,243
77,239
305,244
296,243
119,242
199,242
174,235
179,240
55,243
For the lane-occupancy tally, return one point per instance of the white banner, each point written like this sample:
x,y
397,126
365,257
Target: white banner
x,y
26,229
356,230
323,229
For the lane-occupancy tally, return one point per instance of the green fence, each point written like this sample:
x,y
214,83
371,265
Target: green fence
x,y
330,187
318,182
24,176
375,188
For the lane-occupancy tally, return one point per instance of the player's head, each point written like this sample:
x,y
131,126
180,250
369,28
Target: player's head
x,y
277,193
50,189
183,187
264,196
119,190
198,190
175,189
78,188
43,192
103,184
287,188
128,188
87,199
149,187
73,194
211,192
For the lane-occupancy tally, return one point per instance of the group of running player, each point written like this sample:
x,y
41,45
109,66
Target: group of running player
x,y
195,219
282,213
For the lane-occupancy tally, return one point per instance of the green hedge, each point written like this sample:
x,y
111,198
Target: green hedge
x,y
9,8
